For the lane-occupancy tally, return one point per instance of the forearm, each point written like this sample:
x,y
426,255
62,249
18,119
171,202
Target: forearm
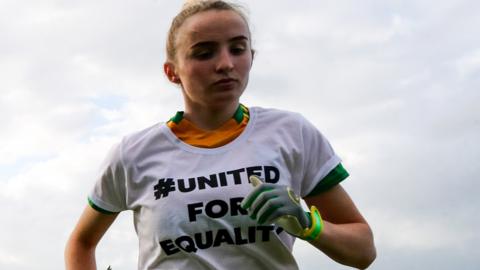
x,y
349,244
79,256
80,249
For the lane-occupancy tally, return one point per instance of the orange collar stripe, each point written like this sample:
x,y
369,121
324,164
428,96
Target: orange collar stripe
x,y
187,132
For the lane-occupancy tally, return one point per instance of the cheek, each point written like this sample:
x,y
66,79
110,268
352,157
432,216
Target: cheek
x,y
245,65
189,75
197,71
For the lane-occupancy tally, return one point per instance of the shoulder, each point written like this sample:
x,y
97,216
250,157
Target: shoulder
x,y
268,118
287,123
142,135
133,144
271,116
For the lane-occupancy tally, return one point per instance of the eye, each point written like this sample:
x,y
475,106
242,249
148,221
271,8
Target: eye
x,y
202,54
237,49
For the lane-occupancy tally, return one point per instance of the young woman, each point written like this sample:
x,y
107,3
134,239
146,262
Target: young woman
x,y
219,185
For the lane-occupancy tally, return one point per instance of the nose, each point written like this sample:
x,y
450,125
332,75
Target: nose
x,y
225,61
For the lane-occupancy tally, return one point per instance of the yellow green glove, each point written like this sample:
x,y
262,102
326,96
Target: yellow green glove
x,y
268,203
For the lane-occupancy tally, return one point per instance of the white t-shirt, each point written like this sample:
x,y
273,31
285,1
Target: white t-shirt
x,y
186,200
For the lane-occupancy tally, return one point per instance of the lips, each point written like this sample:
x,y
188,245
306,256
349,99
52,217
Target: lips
x,y
226,84
225,81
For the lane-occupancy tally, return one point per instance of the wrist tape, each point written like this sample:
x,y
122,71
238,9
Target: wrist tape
x,y
316,227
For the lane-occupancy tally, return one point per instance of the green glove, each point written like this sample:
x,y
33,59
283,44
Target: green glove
x,y
278,204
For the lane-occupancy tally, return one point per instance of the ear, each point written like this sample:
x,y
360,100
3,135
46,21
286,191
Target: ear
x,y
253,56
169,69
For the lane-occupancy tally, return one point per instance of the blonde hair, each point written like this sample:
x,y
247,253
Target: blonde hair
x,y
192,7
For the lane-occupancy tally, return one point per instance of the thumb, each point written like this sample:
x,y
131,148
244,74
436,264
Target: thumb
x,y
252,196
255,180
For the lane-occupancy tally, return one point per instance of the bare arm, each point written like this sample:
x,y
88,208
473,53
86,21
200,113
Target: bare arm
x,y
80,249
346,237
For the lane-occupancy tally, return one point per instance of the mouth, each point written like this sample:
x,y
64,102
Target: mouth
x,y
225,81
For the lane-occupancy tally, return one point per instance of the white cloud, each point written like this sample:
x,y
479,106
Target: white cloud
x,y
469,64
393,85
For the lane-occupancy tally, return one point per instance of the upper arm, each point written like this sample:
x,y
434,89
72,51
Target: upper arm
x,y
336,206
92,226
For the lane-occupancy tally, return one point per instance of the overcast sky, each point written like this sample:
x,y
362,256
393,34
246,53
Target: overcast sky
x,y
394,85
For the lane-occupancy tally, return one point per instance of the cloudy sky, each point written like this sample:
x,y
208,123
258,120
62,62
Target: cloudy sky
x,y
392,84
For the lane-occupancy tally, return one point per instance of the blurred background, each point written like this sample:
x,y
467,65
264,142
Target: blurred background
x,y
394,85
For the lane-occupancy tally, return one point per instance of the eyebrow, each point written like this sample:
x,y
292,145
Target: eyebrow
x,y
210,43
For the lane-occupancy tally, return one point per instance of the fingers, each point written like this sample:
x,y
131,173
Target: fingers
x,y
261,202
252,196
270,210
266,202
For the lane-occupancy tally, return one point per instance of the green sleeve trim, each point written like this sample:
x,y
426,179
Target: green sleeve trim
x,y
103,211
335,176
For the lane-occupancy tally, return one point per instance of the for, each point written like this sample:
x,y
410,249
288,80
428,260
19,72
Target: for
x,y
216,208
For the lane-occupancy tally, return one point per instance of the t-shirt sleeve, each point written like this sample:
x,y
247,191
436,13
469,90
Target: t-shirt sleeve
x,y
108,194
319,160
334,177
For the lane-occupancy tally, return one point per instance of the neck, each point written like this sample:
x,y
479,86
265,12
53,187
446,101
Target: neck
x,y
209,118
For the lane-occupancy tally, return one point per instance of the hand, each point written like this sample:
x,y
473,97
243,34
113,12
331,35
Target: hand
x,y
269,203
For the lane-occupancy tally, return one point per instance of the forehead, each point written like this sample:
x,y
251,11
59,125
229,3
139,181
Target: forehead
x,y
212,25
